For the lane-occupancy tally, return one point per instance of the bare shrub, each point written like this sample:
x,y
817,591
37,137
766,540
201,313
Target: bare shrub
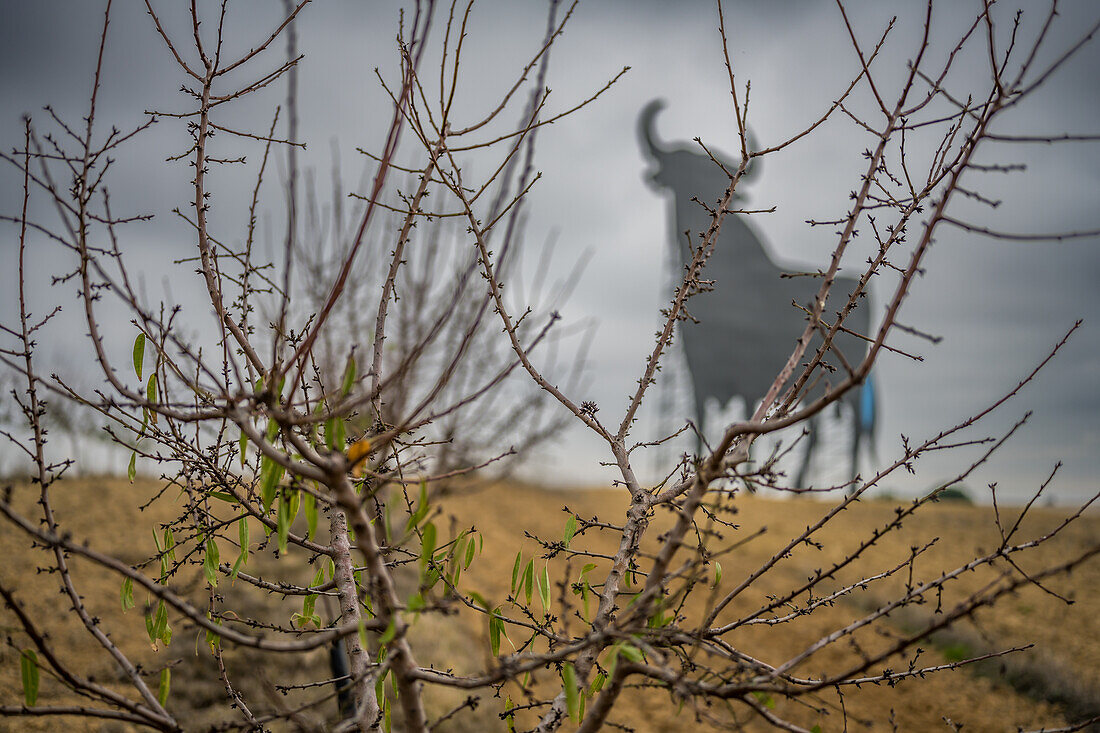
x,y
294,416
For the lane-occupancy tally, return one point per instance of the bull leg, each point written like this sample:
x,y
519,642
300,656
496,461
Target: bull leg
x,y
857,438
700,421
863,426
811,445
338,664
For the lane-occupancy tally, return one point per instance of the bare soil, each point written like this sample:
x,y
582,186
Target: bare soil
x,y
1053,683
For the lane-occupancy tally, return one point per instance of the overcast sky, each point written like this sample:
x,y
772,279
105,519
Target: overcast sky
x,y
999,306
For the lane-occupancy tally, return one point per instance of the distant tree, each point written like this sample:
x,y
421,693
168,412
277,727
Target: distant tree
x,y
311,414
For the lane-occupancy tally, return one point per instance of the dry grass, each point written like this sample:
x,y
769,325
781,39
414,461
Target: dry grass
x,y
1066,638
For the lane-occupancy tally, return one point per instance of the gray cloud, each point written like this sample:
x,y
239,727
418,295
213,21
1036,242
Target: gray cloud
x,y
999,306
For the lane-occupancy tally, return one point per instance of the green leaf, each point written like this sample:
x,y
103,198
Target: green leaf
x,y
224,496
612,660
165,683
390,632
632,653
660,619
456,573
387,523
270,475
515,571
282,522
309,603
242,558
479,599
163,552
213,639
340,435
421,508
427,543
815,729
570,530
586,586
416,603
28,667
151,394
330,434
210,562
496,626
363,634
597,684
127,594
139,354
457,548
349,376
765,699
468,560
569,686
169,544
717,574
131,470
309,508
242,447
544,588
529,579
161,630
380,685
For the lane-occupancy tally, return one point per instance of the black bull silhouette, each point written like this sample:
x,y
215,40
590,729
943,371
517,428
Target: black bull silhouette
x,y
746,327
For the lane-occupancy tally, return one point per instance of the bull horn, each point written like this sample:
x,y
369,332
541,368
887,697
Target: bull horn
x,y
754,167
646,128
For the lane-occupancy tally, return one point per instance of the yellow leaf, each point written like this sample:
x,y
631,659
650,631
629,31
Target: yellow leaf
x,y
358,451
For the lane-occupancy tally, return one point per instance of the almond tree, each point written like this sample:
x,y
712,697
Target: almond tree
x,y
288,417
